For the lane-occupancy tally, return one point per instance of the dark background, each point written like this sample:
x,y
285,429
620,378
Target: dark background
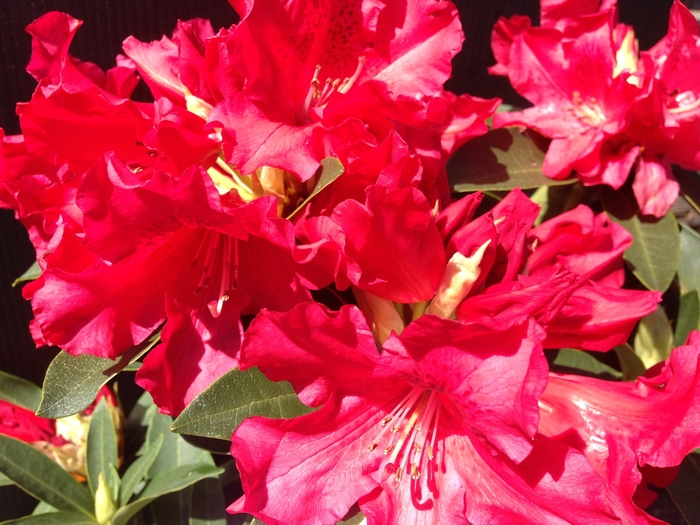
x,y
107,24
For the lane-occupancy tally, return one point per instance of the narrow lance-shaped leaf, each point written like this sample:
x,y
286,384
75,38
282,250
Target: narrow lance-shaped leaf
x,y
101,446
655,255
19,391
501,160
137,471
72,382
54,518
165,482
235,396
42,478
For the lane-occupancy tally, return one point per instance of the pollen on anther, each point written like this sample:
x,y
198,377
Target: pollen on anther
x,y
373,447
399,475
388,449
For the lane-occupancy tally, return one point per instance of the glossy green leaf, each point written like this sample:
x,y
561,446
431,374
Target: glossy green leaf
x,y
19,391
685,489
630,363
32,273
579,360
688,317
654,338
501,160
101,446
137,471
42,478
689,269
655,255
165,482
54,518
72,382
331,169
208,503
237,395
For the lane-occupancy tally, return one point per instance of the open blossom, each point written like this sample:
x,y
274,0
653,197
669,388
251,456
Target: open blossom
x,y
567,273
650,423
608,108
438,427
336,68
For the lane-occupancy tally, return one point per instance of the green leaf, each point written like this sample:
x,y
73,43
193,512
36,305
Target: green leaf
x,y
165,482
72,382
137,471
32,273
137,424
332,168
689,182
685,489
655,255
654,338
688,317
688,269
101,446
19,391
175,451
235,396
54,518
5,481
42,478
555,200
631,364
579,360
43,508
501,160
208,503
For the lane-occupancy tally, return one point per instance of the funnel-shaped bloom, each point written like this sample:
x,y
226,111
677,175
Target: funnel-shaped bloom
x,y
438,427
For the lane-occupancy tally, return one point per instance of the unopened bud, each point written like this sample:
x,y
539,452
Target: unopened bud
x,y
105,506
460,275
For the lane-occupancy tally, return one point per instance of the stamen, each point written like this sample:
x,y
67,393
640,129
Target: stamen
x,y
413,438
210,244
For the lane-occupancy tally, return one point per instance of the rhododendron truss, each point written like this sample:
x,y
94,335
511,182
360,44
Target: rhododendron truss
x,y
608,108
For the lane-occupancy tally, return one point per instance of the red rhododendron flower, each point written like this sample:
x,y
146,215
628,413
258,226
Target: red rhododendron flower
x,y
650,423
437,428
607,108
567,273
327,58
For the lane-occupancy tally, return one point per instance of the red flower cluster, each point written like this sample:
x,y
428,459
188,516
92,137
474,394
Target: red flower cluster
x,y
435,403
608,108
